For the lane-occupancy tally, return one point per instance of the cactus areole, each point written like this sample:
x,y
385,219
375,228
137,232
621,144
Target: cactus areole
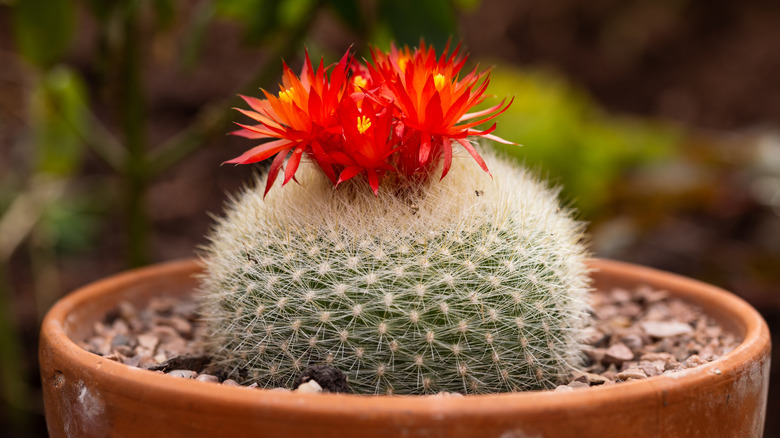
x,y
408,264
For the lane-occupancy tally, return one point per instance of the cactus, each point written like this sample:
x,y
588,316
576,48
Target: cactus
x,y
470,283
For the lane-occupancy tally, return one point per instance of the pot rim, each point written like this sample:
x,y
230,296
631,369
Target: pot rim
x,y
113,376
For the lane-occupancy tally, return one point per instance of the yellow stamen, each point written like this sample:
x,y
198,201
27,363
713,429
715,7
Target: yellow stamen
x,y
439,81
287,96
359,81
402,63
363,123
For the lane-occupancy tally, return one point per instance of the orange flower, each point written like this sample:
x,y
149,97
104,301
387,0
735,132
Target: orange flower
x,y
302,118
400,114
430,101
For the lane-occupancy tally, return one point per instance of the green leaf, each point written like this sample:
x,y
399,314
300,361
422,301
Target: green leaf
x,y
409,20
43,29
73,222
58,115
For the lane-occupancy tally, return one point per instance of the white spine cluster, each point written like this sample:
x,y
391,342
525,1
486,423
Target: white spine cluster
x,y
467,284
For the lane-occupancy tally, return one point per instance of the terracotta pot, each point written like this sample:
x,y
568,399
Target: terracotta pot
x,y
87,395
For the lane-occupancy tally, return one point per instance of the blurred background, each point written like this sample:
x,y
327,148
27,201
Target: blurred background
x,y
661,119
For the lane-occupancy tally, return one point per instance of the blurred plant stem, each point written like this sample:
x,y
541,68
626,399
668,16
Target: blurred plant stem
x,y
133,122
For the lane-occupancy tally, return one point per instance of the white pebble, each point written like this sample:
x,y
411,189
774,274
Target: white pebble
x,y
207,378
310,387
658,329
183,374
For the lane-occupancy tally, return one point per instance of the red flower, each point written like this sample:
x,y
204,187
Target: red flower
x,y
301,118
430,102
367,140
399,114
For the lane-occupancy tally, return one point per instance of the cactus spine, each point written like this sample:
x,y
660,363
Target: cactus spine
x,y
468,284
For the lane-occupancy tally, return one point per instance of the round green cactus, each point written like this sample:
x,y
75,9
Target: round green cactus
x,y
471,284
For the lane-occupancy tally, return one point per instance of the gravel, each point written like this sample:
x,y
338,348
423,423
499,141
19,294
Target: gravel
x,y
635,335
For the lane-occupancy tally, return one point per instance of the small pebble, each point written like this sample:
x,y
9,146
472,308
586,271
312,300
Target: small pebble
x,y
207,378
620,322
582,378
127,311
120,327
650,295
632,373
620,295
660,356
591,379
120,340
134,361
165,333
651,368
181,325
673,366
445,394
162,305
577,385
230,382
595,354
99,328
309,387
617,354
184,374
593,336
148,341
665,329
633,341
694,361
125,350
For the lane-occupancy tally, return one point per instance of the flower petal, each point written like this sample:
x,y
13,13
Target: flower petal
x,y
425,148
470,149
260,153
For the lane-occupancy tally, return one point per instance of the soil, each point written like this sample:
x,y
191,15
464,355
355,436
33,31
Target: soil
x,y
636,334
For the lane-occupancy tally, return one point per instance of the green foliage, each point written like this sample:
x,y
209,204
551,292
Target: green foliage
x,y
43,29
58,111
72,224
565,135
